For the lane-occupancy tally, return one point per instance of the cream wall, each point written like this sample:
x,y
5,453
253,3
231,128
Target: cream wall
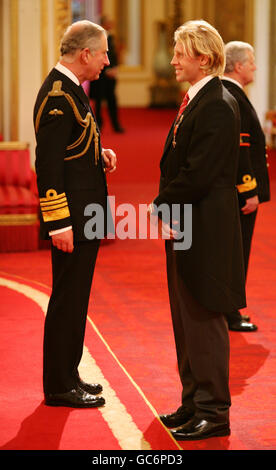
x,y
133,83
21,68
6,71
259,91
29,52
29,71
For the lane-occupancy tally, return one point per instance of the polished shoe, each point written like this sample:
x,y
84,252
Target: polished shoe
x,y
173,420
119,129
198,428
245,318
242,326
92,389
74,399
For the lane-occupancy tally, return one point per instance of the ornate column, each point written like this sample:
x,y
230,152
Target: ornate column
x,y
14,72
165,91
62,19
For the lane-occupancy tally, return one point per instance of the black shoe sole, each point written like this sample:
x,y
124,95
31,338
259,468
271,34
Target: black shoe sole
x,y
241,330
72,405
221,433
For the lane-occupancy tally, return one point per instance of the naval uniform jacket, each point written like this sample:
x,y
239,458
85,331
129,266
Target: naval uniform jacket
x,y
69,165
201,170
252,178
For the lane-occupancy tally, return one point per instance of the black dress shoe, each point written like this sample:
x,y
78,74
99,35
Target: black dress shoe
x,y
119,129
245,318
93,389
74,399
173,420
242,326
198,428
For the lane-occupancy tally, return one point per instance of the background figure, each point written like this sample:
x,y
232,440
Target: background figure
x,y
252,178
199,167
70,175
104,89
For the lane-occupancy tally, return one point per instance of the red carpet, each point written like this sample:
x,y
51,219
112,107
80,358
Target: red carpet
x,y
129,332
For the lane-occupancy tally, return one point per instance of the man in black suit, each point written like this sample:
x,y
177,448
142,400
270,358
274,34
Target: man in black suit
x,y
104,89
70,175
252,178
198,167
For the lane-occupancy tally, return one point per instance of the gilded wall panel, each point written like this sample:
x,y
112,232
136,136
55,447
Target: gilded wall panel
x,y
1,70
14,69
272,57
234,19
63,18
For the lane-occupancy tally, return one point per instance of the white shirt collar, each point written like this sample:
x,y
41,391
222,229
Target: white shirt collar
x,y
194,89
61,68
232,80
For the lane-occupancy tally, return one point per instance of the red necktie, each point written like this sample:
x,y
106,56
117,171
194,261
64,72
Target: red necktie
x,y
178,120
183,105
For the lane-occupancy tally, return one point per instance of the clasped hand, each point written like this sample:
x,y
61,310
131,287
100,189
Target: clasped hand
x,y
251,205
164,230
110,160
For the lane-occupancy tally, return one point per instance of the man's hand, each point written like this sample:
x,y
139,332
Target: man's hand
x,y
164,230
110,160
64,241
251,205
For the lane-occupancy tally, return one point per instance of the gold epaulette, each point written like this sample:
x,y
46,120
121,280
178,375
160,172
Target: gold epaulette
x,y
248,184
54,206
85,123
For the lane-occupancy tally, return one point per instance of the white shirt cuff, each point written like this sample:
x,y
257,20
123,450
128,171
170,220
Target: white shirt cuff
x,y
60,230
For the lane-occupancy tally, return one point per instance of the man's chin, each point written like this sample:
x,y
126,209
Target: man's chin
x,y
95,77
179,77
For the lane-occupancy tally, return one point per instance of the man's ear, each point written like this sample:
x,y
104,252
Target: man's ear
x,y
84,55
204,59
238,67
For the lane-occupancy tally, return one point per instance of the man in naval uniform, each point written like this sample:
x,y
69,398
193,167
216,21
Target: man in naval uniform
x,y
70,166
252,178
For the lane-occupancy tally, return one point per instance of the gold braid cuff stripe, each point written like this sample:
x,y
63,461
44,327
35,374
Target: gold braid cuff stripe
x,y
57,91
54,206
248,184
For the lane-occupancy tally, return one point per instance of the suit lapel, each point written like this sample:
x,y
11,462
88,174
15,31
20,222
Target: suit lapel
x,y
169,139
192,104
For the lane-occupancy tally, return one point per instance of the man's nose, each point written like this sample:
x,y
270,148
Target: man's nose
x,y
106,60
173,61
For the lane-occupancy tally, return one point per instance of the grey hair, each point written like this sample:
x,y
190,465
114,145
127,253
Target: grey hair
x,y
80,35
235,51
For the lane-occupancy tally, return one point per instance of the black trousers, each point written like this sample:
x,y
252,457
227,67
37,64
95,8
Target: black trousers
x,y
202,347
66,315
108,94
247,230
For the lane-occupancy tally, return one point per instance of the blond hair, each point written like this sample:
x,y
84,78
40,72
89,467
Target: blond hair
x,y
200,38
